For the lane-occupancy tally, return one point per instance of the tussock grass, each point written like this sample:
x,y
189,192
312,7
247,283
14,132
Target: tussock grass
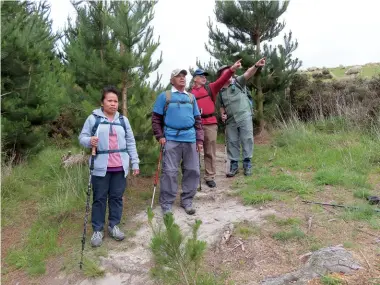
x,y
246,230
331,280
304,158
92,269
57,195
294,234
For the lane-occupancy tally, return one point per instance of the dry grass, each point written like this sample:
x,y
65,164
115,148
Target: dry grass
x,y
266,256
313,163
136,198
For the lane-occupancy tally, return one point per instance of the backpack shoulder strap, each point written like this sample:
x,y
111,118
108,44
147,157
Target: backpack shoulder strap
x,y
122,123
168,95
95,127
220,94
244,89
239,86
191,97
208,89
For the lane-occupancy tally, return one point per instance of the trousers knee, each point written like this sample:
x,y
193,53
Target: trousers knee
x,y
193,172
170,173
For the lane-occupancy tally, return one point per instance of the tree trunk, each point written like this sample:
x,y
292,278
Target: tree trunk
x,y
124,103
124,95
260,106
260,95
124,86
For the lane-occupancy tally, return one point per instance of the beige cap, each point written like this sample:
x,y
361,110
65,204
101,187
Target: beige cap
x,y
176,72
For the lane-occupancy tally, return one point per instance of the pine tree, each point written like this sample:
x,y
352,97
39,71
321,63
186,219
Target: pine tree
x,y
112,43
178,260
33,84
250,24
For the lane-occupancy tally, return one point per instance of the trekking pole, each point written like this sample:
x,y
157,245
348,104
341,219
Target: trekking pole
x,y
93,154
200,176
199,157
226,160
157,174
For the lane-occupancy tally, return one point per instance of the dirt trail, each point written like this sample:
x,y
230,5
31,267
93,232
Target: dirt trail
x,y
215,208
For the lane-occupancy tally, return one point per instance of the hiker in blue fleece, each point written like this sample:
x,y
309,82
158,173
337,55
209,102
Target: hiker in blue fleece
x,y
177,125
112,135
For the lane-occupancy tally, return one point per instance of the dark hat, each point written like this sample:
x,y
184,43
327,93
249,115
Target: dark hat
x,y
200,72
221,69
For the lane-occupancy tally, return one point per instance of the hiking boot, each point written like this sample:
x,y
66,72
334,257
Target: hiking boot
x,y
247,167
373,200
166,211
234,169
116,233
189,210
248,171
211,183
97,239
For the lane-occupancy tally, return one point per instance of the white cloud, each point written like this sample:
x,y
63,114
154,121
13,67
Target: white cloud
x,y
329,33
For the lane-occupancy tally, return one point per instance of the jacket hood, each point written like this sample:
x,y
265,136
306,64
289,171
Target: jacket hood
x,y
99,112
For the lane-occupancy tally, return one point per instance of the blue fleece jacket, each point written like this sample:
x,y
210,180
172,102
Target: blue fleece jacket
x,y
125,140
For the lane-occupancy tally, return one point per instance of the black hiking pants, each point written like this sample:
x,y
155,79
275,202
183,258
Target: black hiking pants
x,y
110,187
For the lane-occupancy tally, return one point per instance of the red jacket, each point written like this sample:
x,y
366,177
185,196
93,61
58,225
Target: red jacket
x,y
205,103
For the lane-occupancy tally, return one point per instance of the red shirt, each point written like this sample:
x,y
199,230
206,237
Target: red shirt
x,y
205,103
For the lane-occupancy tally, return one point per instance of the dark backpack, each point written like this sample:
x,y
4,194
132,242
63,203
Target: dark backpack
x,y
209,93
98,122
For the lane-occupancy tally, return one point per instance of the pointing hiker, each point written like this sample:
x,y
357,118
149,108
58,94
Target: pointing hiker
x,y
205,95
110,132
177,125
236,111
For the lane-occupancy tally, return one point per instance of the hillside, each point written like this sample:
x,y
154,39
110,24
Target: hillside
x,y
364,71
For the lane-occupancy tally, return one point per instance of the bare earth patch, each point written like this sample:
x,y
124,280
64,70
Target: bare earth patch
x,y
216,210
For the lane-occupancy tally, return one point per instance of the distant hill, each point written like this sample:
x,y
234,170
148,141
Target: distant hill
x,y
340,72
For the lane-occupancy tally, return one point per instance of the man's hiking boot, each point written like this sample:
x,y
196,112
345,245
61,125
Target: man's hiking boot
x,y
211,183
97,239
247,167
166,211
248,171
373,200
189,210
116,233
234,168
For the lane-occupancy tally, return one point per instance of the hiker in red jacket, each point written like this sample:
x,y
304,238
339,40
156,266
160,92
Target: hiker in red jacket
x,y
205,95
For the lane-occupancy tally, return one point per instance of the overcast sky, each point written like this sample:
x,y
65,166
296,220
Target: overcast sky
x,y
329,32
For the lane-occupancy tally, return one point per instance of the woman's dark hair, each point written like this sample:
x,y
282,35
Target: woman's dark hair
x,y
109,89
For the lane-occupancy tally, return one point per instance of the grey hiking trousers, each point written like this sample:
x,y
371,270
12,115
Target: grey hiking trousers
x,y
240,134
174,152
